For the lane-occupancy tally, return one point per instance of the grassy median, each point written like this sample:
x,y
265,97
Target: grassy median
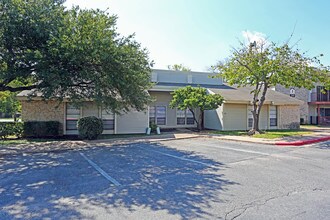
x,y
269,134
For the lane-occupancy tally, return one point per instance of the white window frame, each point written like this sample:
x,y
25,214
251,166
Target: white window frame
x,y
100,115
185,117
156,117
250,116
66,117
107,119
270,116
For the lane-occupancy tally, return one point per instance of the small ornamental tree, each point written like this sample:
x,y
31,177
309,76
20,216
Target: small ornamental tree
x,y
195,98
262,65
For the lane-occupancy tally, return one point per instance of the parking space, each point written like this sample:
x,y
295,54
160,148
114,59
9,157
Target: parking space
x,y
178,179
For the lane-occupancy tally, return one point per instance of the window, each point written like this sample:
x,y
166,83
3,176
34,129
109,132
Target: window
x,y
322,94
184,117
273,116
157,115
250,117
108,120
250,122
160,115
152,114
72,116
180,117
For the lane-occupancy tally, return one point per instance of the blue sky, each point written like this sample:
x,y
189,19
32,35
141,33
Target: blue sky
x,y
198,33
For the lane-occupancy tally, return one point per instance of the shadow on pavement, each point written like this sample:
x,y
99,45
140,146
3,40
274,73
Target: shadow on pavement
x,y
324,145
65,186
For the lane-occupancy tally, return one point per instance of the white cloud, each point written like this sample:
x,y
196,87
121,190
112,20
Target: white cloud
x,y
251,36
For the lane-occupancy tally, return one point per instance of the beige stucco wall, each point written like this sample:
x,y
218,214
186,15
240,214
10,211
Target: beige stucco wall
x,y
301,94
43,111
131,122
264,117
163,99
213,119
289,117
234,116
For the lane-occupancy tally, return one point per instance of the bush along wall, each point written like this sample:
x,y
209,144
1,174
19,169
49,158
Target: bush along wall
x,y
41,129
90,127
11,129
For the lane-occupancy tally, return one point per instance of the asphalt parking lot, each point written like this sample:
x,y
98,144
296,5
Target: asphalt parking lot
x,y
179,179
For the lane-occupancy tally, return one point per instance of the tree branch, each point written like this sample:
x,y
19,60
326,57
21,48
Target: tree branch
x,y
16,89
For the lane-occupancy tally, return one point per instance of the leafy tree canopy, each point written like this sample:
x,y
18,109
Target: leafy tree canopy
x,y
75,53
193,98
262,65
179,67
8,103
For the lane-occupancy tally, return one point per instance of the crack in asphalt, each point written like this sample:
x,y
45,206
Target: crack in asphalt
x,y
298,214
259,203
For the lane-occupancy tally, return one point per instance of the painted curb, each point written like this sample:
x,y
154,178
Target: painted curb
x,y
299,143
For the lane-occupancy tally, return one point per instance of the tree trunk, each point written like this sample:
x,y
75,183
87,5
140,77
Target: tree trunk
x,y
255,126
197,121
257,108
200,124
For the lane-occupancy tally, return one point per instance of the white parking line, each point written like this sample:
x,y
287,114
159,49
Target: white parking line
x,y
102,172
180,158
239,150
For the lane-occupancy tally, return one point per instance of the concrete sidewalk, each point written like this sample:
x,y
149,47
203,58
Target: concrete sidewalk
x,y
58,146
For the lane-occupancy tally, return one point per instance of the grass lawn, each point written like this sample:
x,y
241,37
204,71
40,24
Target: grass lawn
x,y
269,134
233,133
310,126
281,133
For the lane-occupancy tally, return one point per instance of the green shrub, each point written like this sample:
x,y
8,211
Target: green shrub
x,y
39,129
90,127
153,127
11,129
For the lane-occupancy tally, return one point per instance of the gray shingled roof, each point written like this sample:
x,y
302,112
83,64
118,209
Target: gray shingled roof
x,y
218,86
25,93
243,95
231,94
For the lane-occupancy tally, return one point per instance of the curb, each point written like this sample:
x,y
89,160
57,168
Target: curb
x,y
93,144
305,142
236,140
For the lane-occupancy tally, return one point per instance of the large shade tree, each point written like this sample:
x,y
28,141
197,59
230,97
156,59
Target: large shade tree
x,y
264,64
71,53
195,99
8,103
